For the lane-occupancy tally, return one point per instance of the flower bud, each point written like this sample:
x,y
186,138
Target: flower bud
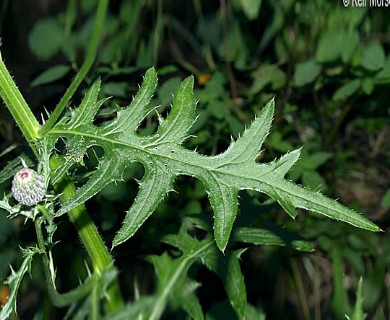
x,y
28,187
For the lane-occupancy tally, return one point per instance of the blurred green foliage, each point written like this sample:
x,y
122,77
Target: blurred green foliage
x,y
329,68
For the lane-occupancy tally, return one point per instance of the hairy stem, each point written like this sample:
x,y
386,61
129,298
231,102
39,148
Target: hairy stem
x,y
18,107
89,236
88,61
32,132
59,299
83,223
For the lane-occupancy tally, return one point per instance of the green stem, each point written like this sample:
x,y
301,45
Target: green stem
x,y
340,302
18,107
89,60
59,299
32,131
83,223
94,305
89,236
301,290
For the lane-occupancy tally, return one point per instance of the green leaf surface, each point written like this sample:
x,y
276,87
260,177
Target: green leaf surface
x,y
164,158
133,310
383,76
46,38
167,89
351,44
13,166
358,311
306,72
347,89
14,281
155,185
173,282
340,301
9,170
330,46
50,75
271,236
251,8
373,57
315,160
267,74
385,202
226,266
313,180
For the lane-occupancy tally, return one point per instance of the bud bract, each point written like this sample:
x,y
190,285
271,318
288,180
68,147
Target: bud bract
x,y
28,187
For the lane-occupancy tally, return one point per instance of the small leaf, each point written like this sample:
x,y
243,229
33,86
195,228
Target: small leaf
x,y
351,45
50,75
340,301
132,310
347,90
383,76
368,85
272,236
313,180
228,269
167,89
373,57
251,8
193,308
358,311
115,89
46,38
217,108
267,74
275,141
386,199
306,72
315,160
10,169
329,47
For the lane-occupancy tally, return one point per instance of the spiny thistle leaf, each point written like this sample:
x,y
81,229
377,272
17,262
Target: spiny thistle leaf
x,y
175,285
164,158
15,279
226,266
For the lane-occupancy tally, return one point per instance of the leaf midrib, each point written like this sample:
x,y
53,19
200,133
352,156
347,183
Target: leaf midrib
x,y
198,164
195,164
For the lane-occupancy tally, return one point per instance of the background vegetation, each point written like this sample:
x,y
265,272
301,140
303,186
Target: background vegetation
x,y
329,69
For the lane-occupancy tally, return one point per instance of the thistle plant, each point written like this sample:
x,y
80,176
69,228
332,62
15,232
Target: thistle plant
x,y
164,158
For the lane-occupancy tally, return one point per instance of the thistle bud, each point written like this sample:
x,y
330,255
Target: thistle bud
x,y
28,187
